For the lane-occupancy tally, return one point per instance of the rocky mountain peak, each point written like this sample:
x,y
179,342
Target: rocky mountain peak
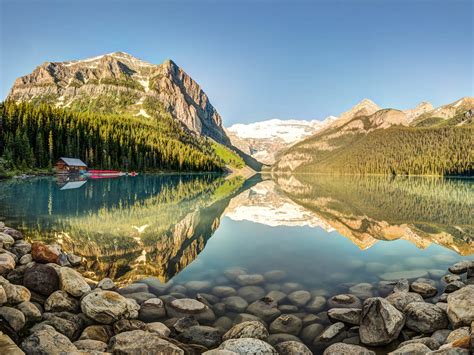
x,y
365,107
121,83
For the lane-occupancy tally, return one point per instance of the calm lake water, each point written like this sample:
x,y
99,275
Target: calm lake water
x,y
323,232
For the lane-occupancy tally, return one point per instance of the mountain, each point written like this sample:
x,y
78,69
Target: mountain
x,y
120,83
264,140
419,141
114,111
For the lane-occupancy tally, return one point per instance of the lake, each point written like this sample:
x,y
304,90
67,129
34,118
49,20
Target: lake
x,y
319,233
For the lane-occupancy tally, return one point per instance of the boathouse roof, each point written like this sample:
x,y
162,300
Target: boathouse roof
x,y
73,162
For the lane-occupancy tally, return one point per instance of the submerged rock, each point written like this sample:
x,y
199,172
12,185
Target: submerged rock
x,y
299,298
409,275
380,323
344,301
248,280
286,323
264,308
152,310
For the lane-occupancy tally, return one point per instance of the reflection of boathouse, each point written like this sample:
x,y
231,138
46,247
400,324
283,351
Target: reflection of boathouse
x,y
70,166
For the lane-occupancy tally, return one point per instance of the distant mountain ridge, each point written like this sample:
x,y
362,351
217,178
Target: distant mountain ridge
x,y
120,83
368,139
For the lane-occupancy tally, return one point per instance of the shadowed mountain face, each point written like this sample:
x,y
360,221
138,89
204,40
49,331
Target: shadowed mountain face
x,y
368,209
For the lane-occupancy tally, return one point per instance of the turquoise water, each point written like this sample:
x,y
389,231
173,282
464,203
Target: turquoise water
x,y
323,232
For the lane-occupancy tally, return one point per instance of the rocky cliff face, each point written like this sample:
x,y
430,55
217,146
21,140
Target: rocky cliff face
x,y
121,83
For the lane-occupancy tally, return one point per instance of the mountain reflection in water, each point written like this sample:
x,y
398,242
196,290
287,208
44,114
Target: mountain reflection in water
x,y
130,228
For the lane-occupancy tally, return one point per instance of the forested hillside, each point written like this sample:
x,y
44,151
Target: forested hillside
x,y
35,136
420,141
401,151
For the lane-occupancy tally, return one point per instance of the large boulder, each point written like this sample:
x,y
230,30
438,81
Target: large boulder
x,y
380,323
97,332
264,308
412,348
14,317
7,263
47,341
141,342
107,307
346,315
200,334
424,289
72,282
69,324
184,307
461,306
286,323
8,346
91,346
249,329
43,253
31,312
60,301
425,317
401,299
292,347
343,348
15,293
248,346
42,279
13,233
6,241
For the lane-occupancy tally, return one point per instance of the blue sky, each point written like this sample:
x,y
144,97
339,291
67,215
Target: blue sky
x,y
263,59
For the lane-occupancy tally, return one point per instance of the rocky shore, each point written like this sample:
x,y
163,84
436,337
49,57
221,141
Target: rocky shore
x,y
48,307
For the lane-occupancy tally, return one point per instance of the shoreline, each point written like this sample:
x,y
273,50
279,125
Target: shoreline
x,y
46,305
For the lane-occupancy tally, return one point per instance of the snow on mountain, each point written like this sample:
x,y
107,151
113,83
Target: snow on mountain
x,y
289,131
265,139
